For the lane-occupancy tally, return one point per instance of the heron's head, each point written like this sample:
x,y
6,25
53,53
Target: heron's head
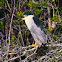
x,y
27,16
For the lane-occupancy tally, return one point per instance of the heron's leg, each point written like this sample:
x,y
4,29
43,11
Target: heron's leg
x,y
34,45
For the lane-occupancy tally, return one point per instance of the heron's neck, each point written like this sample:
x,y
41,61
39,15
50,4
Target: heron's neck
x,y
29,23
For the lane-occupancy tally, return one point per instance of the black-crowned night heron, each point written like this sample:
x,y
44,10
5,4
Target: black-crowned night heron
x,y
36,28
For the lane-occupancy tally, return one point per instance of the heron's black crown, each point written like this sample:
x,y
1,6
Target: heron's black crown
x,y
28,13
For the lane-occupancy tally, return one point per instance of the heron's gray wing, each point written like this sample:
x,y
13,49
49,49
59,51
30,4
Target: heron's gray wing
x,y
38,35
38,23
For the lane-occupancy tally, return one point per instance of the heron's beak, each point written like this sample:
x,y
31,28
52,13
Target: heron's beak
x,y
22,18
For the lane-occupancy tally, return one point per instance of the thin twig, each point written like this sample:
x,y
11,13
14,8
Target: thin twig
x,y
2,19
31,55
11,12
8,4
13,58
54,45
10,27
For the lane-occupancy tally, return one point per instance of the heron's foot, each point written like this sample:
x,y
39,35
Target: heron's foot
x,y
34,45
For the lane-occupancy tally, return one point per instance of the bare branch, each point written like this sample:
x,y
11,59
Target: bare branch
x,y
54,45
14,58
8,4
2,19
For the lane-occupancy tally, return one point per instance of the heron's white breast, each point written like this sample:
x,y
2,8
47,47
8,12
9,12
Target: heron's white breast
x,y
29,23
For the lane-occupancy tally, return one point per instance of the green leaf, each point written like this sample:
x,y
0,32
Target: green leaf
x,y
37,11
55,38
50,29
55,18
53,42
61,17
44,3
1,3
12,38
1,23
19,14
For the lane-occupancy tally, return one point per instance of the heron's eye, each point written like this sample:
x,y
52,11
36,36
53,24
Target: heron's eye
x,y
26,15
